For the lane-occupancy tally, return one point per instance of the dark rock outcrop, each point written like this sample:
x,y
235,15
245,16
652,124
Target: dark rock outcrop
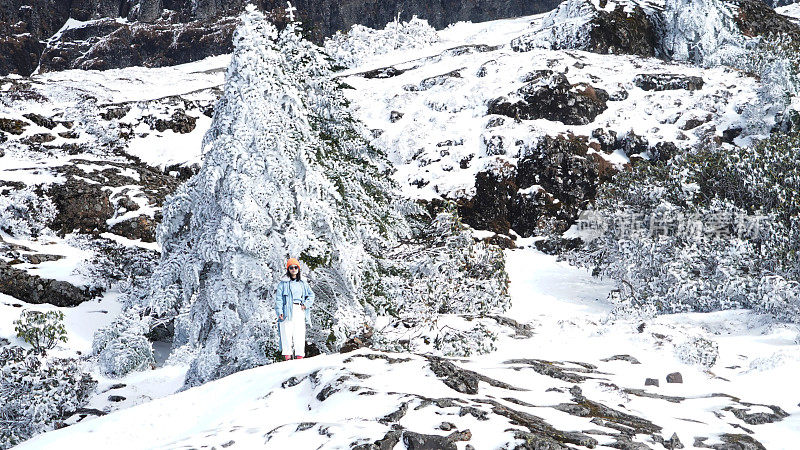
x,y
568,176
625,29
109,44
667,81
756,18
544,193
187,31
142,227
20,53
34,289
553,98
81,206
489,209
12,126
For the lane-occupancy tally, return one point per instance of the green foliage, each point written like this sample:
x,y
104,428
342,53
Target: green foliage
x,y
42,330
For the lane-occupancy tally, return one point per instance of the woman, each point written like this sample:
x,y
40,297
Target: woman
x,y
293,298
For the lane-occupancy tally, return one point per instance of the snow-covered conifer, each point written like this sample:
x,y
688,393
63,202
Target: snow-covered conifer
x,y
262,195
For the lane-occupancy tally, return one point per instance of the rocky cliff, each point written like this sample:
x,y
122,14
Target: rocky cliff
x,y
25,25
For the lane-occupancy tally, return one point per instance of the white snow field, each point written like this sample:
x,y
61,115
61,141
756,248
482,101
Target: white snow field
x,y
334,401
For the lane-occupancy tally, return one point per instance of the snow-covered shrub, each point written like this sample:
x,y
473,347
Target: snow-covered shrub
x,y
122,347
563,28
43,330
37,393
708,231
703,32
776,61
697,351
24,213
477,340
361,43
441,270
114,264
444,270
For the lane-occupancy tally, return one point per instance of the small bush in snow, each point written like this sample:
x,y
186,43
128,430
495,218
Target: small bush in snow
x,y
24,213
697,351
361,43
122,347
43,330
37,393
478,340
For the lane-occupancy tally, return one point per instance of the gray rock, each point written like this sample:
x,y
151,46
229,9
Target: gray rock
x,y
395,116
553,99
627,358
149,10
40,120
34,289
675,377
81,206
651,382
667,81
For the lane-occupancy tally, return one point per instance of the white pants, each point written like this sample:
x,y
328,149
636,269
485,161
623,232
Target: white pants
x,y
293,333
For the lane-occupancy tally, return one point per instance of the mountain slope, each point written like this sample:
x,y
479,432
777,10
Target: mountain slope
x,y
578,379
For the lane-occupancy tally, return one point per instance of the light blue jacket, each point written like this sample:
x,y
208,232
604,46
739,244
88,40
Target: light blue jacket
x,y
283,299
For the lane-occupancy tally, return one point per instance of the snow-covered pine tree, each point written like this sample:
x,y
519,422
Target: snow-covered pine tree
x,y
261,196
367,198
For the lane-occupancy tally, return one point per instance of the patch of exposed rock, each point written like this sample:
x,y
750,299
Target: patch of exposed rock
x,y
34,289
611,28
81,206
667,81
544,193
551,96
108,44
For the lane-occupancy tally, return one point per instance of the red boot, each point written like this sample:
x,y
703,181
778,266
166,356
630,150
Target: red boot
x,y
298,357
287,357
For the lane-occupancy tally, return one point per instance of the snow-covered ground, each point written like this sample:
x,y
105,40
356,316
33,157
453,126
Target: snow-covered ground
x,y
444,91
334,401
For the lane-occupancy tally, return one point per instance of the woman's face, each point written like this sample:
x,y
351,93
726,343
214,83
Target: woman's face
x,y
293,271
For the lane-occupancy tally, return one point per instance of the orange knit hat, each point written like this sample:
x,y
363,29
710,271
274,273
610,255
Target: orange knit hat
x,y
292,262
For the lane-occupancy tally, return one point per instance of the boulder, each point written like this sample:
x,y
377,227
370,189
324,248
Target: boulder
x,y
180,122
553,98
651,382
33,289
40,120
563,170
675,377
142,228
489,209
81,206
667,81
20,53
12,126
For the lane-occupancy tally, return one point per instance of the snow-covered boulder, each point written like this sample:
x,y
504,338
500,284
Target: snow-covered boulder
x,y
594,25
551,96
667,81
